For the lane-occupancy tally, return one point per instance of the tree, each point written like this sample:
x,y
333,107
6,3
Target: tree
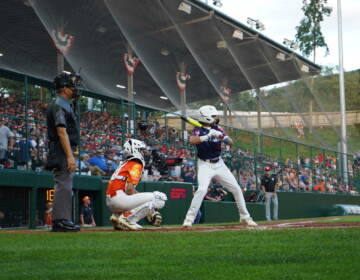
x,y
309,35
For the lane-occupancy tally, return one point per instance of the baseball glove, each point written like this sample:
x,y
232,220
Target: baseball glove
x,y
155,219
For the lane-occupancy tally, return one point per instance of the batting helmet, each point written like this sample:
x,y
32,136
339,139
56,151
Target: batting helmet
x,y
207,114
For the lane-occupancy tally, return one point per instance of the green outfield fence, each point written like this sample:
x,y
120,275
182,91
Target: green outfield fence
x,y
23,196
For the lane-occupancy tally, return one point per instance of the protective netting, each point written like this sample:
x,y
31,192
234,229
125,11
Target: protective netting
x,y
189,56
234,60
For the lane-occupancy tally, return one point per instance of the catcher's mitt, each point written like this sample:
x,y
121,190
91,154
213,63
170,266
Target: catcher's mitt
x,y
155,218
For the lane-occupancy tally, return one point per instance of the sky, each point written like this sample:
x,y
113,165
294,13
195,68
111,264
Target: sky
x,y
280,19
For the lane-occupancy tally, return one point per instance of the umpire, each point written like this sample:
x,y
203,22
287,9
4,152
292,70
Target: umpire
x,y
268,186
63,141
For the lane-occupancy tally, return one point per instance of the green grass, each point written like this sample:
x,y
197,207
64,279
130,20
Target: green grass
x,y
345,219
253,254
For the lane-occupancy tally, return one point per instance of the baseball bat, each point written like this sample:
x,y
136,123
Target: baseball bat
x,y
191,121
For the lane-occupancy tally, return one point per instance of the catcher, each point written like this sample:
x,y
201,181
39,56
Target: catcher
x,y
129,206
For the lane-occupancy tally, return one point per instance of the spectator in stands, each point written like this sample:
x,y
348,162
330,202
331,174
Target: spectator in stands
x,y
210,196
99,160
86,213
95,170
215,192
6,140
83,165
188,173
304,181
26,151
320,186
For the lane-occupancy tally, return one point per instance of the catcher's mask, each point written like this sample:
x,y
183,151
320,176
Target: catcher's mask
x,y
134,148
68,80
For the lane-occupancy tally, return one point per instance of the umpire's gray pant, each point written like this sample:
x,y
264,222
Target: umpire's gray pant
x,y
62,207
271,196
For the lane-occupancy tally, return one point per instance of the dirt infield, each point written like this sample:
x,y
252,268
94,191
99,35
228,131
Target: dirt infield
x,y
298,224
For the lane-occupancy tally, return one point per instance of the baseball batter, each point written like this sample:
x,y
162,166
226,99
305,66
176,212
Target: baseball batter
x,y
123,200
208,143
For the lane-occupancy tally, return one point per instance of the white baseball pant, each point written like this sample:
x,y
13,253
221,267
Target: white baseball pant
x,y
219,171
122,202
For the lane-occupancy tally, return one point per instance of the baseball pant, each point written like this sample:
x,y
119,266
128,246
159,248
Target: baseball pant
x,y
219,171
62,208
270,196
122,202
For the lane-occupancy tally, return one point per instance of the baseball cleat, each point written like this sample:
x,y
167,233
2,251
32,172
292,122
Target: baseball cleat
x,y
124,223
114,220
187,223
64,226
249,222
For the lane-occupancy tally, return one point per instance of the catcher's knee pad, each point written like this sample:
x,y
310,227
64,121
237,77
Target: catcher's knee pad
x,y
159,200
160,195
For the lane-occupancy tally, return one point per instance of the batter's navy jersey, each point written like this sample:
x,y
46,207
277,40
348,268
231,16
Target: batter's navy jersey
x,y
208,149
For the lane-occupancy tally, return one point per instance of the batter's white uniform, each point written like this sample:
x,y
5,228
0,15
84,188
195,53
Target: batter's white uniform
x,y
210,165
219,171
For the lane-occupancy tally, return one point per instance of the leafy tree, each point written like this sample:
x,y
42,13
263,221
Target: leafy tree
x,y
309,35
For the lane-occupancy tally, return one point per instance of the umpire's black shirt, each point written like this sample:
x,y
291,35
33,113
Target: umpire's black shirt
x,y
60,114
269,182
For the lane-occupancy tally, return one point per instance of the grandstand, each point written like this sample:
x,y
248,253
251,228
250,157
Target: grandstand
x,y
217,64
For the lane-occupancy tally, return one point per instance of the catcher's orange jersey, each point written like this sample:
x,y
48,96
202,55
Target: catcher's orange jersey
x,y
129,171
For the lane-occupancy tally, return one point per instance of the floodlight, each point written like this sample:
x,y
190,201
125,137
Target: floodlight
x,y
164,97
120,86
165,52
221,44
238,34
305,68
281,56
185,7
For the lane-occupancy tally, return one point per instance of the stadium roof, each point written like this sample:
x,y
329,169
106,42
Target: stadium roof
x,y
162,36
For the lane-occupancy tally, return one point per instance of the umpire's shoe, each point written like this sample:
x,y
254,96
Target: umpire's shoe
x,y
64,226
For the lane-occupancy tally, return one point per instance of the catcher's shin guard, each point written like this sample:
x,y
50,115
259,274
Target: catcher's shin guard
x,y
140,212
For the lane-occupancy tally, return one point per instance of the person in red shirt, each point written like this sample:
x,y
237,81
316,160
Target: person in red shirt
x,y
129,206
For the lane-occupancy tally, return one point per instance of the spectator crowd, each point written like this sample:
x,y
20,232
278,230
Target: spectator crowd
x,y
166,156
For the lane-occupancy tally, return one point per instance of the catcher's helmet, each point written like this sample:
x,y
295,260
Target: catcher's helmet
x,y
132,149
